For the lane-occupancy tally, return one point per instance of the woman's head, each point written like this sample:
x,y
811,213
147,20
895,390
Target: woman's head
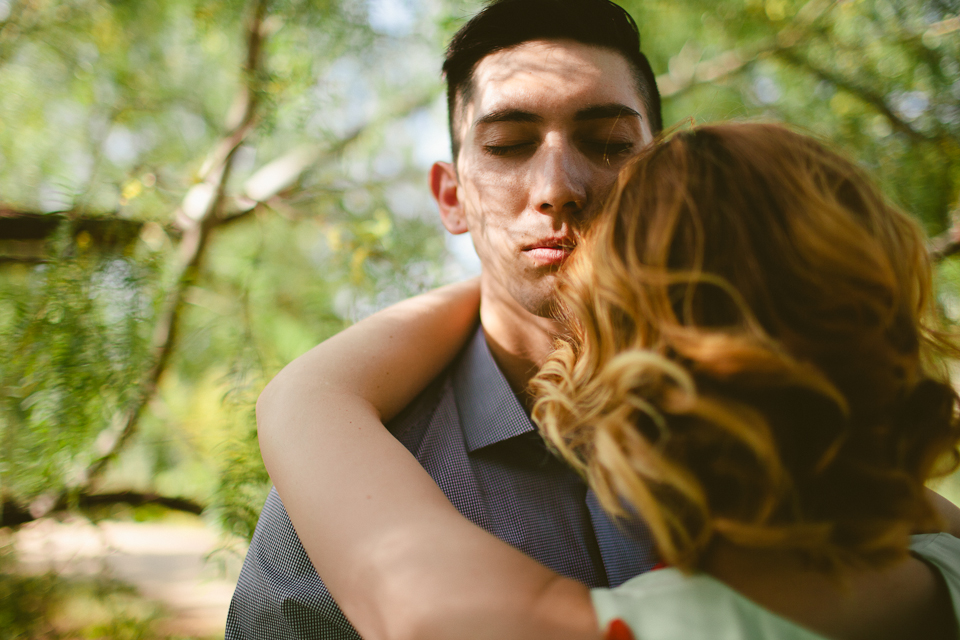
x,y
750,354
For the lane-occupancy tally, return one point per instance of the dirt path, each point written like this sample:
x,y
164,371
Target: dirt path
x,y
168,562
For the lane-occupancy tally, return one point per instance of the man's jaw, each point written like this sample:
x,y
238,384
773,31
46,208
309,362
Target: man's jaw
x,y
518,325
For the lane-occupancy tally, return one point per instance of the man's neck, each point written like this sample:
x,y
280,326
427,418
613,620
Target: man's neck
x,y
519,340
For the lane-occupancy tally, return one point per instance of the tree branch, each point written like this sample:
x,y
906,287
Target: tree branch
x,y
708,71
196,217
735,60
791,56
944,245
20,224
947,243
205,207
13,515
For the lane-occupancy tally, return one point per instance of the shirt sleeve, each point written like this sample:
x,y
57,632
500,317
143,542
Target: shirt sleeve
x,y
279,595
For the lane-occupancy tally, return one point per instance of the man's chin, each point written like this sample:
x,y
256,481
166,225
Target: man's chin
x,y
539,298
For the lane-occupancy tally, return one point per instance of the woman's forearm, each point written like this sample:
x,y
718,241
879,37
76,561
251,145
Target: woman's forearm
x,y
396,555
387,358
399,559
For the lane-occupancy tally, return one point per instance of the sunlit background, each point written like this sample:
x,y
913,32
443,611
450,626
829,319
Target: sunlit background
x,y
194,192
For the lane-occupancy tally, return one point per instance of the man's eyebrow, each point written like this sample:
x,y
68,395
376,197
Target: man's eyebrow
x,y
603,111
597,112
508,115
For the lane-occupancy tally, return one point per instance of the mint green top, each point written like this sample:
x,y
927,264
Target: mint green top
x,y
667,605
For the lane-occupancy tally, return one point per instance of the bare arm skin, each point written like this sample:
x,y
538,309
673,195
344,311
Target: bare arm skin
x,y
949,513
398,557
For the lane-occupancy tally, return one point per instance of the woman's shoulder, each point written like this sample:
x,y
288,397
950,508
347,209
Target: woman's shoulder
x,y
943,551
949,512
668,605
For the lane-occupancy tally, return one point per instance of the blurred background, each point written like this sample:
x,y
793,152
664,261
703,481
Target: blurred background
x,y
195,192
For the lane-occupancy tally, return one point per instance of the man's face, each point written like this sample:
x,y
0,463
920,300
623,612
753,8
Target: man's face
x,y
543,136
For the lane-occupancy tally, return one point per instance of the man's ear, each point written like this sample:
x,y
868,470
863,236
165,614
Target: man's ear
x,y
443,185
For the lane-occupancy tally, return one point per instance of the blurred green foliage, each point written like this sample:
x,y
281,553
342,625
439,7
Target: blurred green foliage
x,y
54,607
109,109
880,78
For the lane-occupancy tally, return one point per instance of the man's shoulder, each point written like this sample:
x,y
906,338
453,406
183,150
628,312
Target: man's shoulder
x,y
471,378
416,416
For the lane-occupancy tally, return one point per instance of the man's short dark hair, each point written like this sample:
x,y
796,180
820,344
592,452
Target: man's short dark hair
x,y
505,23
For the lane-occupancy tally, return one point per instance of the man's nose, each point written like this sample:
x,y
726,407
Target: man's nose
x,y
559,184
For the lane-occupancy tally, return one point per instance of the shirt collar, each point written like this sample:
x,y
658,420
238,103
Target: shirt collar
x,y
489,411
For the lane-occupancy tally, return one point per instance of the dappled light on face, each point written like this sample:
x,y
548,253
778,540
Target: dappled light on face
x,y
545,128
749,291
194,194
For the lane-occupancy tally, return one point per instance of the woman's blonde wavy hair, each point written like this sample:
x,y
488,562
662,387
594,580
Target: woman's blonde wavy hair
x,y
752,353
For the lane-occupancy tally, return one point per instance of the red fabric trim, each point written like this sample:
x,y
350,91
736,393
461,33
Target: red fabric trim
x,y
618,630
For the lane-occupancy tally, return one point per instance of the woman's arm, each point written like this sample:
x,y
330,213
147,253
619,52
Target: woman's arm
x,y
398,557
387,358
949,513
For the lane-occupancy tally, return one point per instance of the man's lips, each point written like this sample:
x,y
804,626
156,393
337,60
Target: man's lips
x,y
548,254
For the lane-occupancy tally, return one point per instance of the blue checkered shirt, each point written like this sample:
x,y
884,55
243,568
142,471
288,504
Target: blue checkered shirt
x,y
471,434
